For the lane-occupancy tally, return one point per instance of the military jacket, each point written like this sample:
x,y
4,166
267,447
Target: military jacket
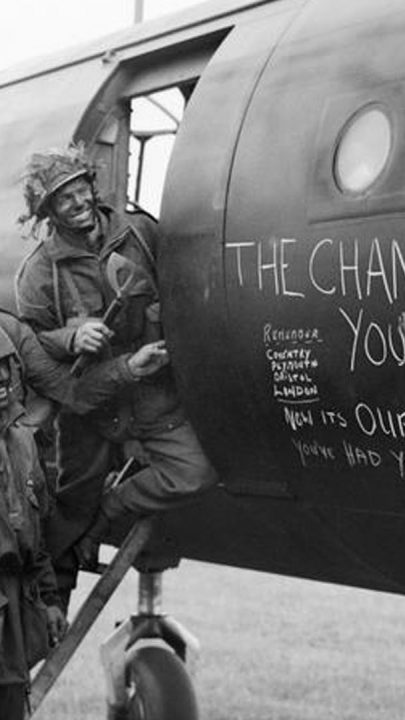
x,y
64,282
34,367
27,580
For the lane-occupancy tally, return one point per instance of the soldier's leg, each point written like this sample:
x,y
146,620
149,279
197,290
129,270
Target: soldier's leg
x,y
178,470
13,661
82,454
12,701
84,460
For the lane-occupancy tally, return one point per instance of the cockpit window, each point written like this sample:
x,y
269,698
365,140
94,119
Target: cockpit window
x,y
363,150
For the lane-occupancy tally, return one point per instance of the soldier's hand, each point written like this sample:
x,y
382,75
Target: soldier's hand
x,y
149,359
57,624
91,337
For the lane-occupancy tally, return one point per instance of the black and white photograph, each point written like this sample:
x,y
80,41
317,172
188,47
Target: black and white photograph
x,y
202,360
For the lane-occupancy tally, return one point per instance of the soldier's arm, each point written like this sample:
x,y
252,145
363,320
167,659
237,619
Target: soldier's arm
x,y
147,236
58,342
52,379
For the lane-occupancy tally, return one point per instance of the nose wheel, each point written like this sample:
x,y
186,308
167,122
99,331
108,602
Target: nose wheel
x,y
145,663
159,687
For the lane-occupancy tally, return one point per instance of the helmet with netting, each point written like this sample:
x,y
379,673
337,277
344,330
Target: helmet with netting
x,y
48,171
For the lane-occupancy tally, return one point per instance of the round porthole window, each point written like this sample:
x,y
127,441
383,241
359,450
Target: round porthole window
x,y
363,150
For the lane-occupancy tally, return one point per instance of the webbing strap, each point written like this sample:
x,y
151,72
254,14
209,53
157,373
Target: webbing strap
x,y
79,306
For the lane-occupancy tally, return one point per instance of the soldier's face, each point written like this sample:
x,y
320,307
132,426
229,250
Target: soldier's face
x,y
5,380
73,206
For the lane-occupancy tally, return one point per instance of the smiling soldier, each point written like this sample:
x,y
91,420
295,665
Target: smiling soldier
x,y
64,292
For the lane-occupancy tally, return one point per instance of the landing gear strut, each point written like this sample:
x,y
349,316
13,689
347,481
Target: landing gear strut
x,y
145,662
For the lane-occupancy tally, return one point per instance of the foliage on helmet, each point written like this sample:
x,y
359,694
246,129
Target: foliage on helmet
x,y
47,172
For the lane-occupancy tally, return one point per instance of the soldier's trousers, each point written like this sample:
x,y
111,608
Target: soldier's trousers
x,y
175,469
12,701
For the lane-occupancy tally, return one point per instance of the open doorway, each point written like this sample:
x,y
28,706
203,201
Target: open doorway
x,y
154,121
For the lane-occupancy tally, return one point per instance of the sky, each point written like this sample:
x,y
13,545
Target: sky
x,y
32,28
29,28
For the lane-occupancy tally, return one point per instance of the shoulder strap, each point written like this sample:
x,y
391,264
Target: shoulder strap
x,y
64,272
146,249
21,269
56,287
74,292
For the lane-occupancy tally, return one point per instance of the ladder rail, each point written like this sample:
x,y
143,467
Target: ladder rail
x,y
58,658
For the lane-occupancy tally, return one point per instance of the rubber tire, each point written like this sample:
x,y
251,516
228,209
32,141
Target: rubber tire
x,y
164,690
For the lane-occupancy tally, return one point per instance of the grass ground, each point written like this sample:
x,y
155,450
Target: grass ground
x,y
272,648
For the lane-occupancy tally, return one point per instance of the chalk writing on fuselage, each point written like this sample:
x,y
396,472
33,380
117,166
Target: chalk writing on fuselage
x,y
313,452
276,263
359,318
337,269
370,421
292,362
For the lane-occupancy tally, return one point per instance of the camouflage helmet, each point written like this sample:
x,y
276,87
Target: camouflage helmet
x,y
47,172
